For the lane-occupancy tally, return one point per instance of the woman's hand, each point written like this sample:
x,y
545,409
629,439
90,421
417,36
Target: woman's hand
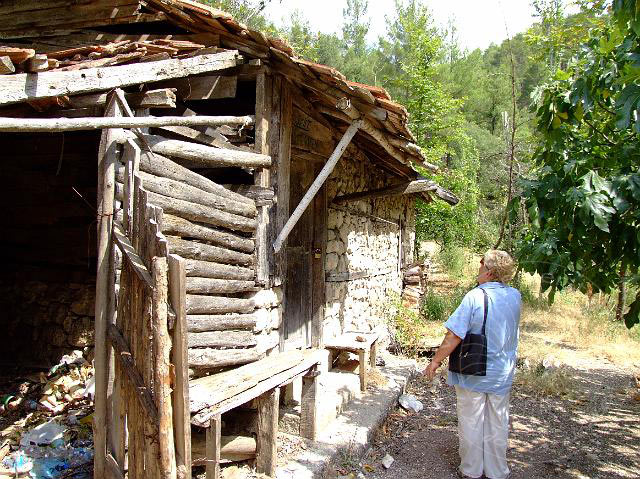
x,y
431,370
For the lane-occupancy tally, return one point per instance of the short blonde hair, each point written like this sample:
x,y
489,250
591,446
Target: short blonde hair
x,y
501,264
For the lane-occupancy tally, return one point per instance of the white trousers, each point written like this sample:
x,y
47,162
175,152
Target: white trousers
x,y
483,429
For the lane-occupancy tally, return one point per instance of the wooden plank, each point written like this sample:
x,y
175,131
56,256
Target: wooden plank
x,y
256,379
209,87
213,445
211,138
406,188
363,356
175,226
267,442
317,184
23,87
318,267
107,157
134,259
348,342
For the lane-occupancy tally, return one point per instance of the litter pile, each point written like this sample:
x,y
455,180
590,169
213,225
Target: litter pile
x,y
46,422
415,279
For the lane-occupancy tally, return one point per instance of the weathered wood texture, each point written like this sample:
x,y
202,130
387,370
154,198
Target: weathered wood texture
x,y
205,252
29,125
175,226
208,269
206,156
232,449
22,87
266,456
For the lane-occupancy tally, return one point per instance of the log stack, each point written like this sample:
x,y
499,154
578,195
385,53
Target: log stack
x,y
230,318
415,278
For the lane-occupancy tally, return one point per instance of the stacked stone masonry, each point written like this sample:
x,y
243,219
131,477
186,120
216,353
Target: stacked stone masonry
x,y
361,244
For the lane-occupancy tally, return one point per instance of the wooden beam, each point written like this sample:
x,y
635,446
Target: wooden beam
x,y
129,252
23,125
411,187
317,184
22,87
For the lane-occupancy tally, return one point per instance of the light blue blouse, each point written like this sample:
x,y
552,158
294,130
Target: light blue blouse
x,y
503,319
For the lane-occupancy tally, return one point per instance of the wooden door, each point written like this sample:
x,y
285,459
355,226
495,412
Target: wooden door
x,y
304,289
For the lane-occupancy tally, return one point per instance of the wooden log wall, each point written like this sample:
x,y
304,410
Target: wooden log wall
x,y
213,229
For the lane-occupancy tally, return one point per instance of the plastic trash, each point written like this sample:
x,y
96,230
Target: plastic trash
x,y
410,403
18,463
44,434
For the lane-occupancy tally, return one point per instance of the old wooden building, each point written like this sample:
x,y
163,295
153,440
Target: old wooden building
x,y
250,205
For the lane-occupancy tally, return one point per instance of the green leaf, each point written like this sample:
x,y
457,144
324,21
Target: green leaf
x,y
633,315
626,104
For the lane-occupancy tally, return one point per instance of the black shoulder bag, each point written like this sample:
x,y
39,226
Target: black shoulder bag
x,y
470,356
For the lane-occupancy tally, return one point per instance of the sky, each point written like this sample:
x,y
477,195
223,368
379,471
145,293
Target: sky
x,y
479,22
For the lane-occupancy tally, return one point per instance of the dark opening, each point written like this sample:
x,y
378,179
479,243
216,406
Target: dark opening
x,y
47,284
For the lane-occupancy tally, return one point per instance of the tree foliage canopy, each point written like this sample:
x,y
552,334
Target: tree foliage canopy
x,y
583,203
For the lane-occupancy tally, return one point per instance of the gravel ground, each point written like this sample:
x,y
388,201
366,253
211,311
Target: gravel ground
x,y
593,434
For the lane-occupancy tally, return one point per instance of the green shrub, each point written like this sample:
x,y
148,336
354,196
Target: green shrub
x,y
452,258
434,306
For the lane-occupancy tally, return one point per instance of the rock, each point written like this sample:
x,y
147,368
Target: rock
x,y
387,461
84,305
410,403
332,261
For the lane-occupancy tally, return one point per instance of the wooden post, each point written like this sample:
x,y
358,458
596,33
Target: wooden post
x,y
317,184
374,354
162,386
213,439
106,188
179,358
267,456
363,357
261,176
309,405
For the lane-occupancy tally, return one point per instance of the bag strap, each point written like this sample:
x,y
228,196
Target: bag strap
x,y
486,307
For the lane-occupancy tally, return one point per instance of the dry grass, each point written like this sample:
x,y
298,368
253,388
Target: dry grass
x,y
552,338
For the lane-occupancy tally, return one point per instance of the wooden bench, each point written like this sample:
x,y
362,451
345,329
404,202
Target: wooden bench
x,y
365,345
212,396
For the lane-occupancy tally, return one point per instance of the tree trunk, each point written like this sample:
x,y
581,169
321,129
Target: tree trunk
x,y
622,292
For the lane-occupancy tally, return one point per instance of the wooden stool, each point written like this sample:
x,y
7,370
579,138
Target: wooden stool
x,y
366,350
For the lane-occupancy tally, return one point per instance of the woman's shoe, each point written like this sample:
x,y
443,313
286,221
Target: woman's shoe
x,y
464,476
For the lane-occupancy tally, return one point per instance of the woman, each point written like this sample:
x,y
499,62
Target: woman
x,y
483,401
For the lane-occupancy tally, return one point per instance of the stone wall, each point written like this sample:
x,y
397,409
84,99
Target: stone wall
x,y
42,321
373,238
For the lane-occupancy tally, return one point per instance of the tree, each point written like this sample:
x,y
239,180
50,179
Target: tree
x,y
584,204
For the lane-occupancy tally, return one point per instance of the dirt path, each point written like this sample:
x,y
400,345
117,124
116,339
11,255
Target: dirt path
x,y
593,434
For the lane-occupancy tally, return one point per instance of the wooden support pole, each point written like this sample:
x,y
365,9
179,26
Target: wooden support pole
x,y
407,188
214,434
267,454
180,360
107,154
28,125
317,184
161,373
363,357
